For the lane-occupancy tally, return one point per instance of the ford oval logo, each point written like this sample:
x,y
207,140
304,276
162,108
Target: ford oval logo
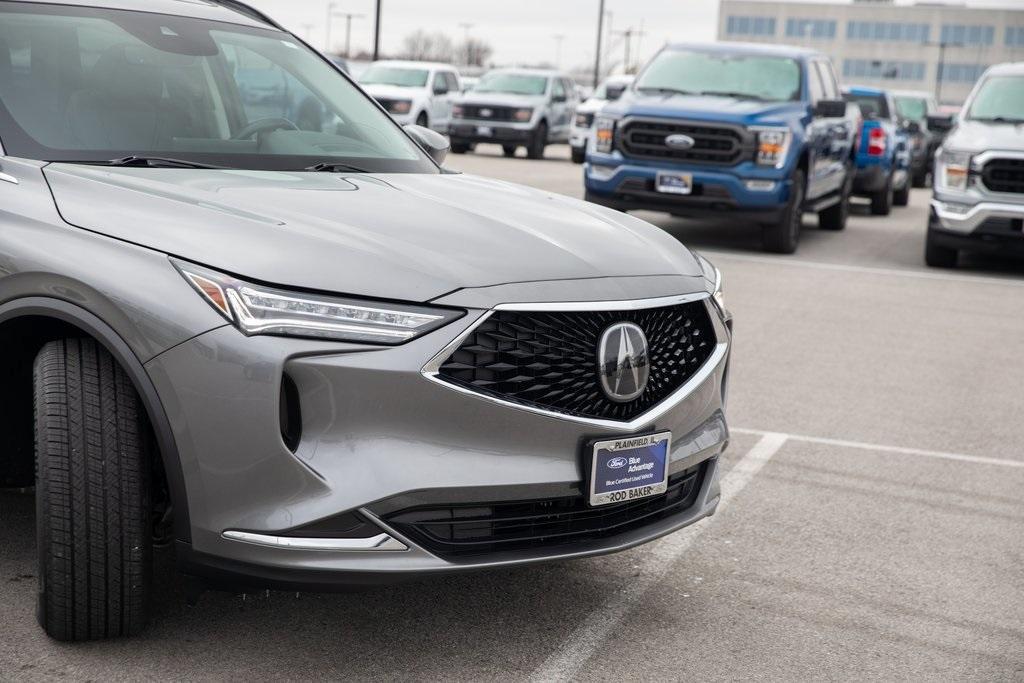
x,y
616,463
680,141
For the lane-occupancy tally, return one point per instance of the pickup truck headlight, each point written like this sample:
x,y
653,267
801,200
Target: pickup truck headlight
x,y
523,115
401,106
604,135
954,169
260,310
772,146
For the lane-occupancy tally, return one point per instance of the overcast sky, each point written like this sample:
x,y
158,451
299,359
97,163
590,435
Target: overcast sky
x,y
520,31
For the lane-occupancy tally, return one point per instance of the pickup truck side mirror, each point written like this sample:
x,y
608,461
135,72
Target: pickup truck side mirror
x,y
615,92
559,98
440,90
433,143
830,109
940,123
912,127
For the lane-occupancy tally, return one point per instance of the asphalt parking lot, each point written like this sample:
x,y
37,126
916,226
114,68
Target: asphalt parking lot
x,y
872,524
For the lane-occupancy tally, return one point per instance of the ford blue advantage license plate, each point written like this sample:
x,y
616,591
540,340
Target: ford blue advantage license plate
x,y
674,183
629,468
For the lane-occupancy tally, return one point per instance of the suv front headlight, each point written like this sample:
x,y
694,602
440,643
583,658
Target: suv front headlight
x,y
258,310
953,170
772,146
604,134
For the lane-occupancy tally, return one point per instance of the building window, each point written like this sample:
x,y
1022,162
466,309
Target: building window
x,y
961,34
888,31
810,28
876,69
1015,36
750,26
961,73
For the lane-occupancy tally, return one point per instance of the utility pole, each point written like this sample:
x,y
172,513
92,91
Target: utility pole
x,y
349,16
559,37
376,33
600,41
466,26
940,72
327,28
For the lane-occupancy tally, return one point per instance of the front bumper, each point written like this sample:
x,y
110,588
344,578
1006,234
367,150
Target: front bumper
x,y
987,226
628,185
375,428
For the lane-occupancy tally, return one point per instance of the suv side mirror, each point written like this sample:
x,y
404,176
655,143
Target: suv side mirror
x,y
830,109
940,123
433,143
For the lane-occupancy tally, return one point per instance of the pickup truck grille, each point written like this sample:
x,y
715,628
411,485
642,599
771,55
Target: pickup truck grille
x,y
1004,175
721,145
488,113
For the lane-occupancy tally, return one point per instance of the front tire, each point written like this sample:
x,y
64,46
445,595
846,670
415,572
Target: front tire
x,y
460,147
579,154
901,197
93,523
784,236
422,120
535,150
508,150
881,201
938,256
835,216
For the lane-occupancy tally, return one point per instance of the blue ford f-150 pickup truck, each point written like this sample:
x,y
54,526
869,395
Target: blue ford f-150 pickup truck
x,y
757,132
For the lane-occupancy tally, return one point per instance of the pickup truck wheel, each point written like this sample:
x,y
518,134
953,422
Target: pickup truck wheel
x,y
508,150
921,177
783,237
901,197
579,154
459,147
93,517
881,201
423,120
535,150
835,216
938,256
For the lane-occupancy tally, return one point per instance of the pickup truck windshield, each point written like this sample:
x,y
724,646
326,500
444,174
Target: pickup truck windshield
x,y
390,75
743,76
513,84
1000,98
90,85
912,108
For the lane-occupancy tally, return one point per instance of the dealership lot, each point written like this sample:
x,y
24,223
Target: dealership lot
x,y
872,524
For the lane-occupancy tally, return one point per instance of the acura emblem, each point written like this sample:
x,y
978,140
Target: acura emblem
x,y
623,364
679,141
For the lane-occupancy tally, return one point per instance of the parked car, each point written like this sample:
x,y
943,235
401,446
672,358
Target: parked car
x,y
882,152
913,109
313,359
978,202
750,131
610,90
469,82
515,108
414,92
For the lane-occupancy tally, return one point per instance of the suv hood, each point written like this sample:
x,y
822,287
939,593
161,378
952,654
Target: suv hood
x,y
707,108
979,136
410,237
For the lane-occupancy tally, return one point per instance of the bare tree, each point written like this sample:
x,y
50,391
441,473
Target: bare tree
x,y
435,47
474,51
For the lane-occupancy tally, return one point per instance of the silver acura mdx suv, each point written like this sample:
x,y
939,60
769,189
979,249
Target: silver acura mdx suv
x,y
306,356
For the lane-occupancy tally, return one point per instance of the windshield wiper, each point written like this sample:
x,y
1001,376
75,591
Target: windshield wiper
x,y
997,119
157,162
333,167
736,95
667,91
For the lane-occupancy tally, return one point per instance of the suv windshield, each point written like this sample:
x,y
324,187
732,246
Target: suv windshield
x,y
90,85
514,84
745,76
912,108
1000,98
393,75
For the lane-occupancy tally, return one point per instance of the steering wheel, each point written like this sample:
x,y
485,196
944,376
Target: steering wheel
x,y
263,126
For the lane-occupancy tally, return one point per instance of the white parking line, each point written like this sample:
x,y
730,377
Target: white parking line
x,y
895,272
567,661
976,459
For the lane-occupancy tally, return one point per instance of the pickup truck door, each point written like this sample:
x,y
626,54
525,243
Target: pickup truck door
x,y
440,102
829,138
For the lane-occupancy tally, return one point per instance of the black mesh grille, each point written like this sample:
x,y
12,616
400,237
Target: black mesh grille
x,y
549,360
471,529
1004,175
712,144
482,111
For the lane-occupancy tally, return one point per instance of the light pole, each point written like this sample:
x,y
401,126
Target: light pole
x,y
940,71
349,16
327,29
600,36
466,26
376,32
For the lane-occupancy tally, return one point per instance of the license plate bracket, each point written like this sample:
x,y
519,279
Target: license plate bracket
x,y
627,468
674,183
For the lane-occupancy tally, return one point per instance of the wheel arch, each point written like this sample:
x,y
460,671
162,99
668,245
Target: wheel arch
x,y
61,311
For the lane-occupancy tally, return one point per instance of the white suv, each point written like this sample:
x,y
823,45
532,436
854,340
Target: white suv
x,y
414,92
610,90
